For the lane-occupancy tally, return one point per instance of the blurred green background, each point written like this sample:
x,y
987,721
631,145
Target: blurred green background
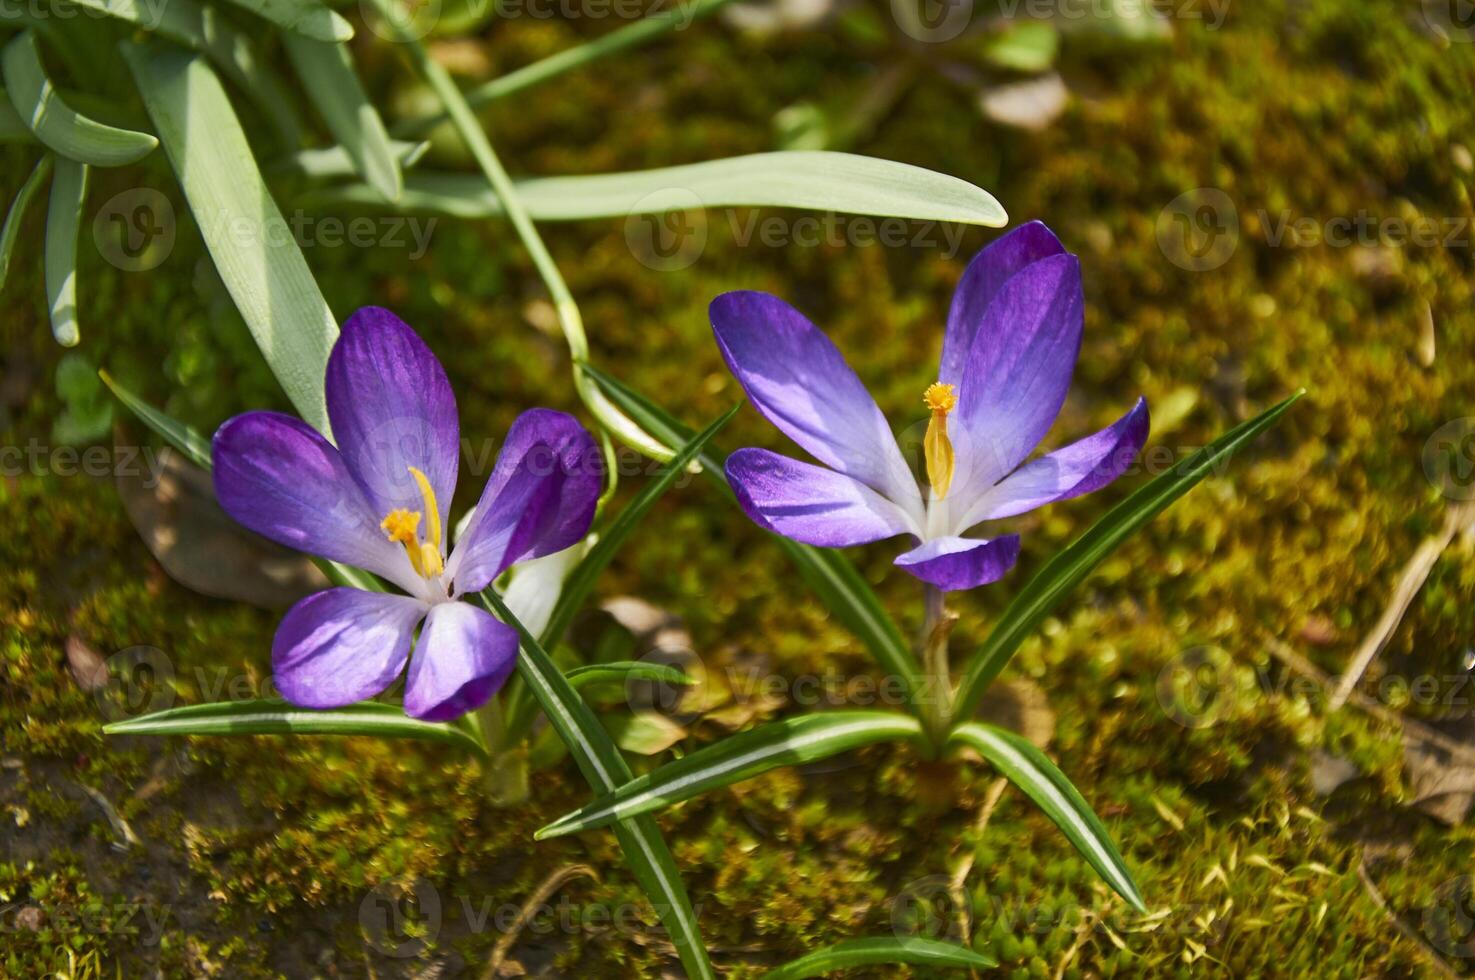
x,y
1181,689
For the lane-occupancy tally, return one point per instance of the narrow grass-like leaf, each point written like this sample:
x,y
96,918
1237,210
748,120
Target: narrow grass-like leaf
x,y
60,127
328,76
264,268
602,765
1070,566
331,162
307,18
787,742
1027,767
17,213
819,180
273,716
647,28
63,219
880,950
580,582
196,449
624,671
828,572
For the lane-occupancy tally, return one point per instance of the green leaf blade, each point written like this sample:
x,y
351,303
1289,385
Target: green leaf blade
x,y
195,447
1070,566
60,127
1024,765
879,951
624,671
788,742
327,74
17,213
273,716
306,18
819,180
263,269
602,765
63,223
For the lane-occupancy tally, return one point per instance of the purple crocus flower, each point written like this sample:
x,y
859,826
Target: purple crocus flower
x,y
379,501
1013,335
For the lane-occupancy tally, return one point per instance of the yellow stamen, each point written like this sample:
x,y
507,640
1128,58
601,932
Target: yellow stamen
x,y
402,527
936,446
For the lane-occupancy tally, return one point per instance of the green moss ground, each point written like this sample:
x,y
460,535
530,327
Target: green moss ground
x,y
261,851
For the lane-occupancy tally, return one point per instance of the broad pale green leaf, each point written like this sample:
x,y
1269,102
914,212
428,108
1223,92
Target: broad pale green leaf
x,y
787,742
63,219
624,671
308,18
817,180
1026,766
251,243
332,162
828,572
1070,567
580,583
273,716
880,950
604,768
330,81
17,213
63,129
196,448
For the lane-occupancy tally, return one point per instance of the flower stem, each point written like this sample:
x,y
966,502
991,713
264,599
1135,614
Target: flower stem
x,y
937,624
569,318
506,771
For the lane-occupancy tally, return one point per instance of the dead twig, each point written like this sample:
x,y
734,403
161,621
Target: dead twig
x,y
550,884
1409,726
1411,935
1415,572
956,889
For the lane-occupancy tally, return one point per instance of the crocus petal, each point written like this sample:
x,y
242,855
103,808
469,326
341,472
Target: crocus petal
x,y
278,476
1079,468
343,645
981,281
796,377
810,503
1017,375
953,564
540,499
464,657
392,408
